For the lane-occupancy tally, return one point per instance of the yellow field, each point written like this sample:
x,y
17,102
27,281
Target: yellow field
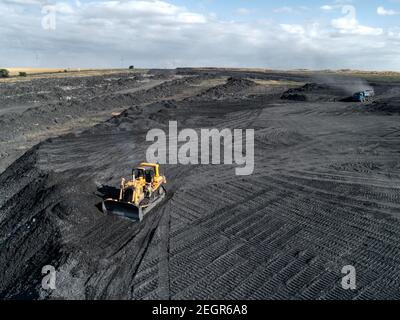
x,y
37,73
16,71
276,82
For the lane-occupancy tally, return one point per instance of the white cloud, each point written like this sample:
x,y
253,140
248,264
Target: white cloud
x,y
244,11
191,18
64,8
384,12
293,28
287,9
25,2
327,7
349,24
160,34
284,10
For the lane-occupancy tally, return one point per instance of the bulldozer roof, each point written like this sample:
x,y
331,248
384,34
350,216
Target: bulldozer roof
x,y
144,168
145,165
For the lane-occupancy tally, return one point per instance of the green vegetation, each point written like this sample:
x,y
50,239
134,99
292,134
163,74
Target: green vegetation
x,y
22,74
4,73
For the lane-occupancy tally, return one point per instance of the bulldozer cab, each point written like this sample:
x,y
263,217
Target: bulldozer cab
x,y
147,173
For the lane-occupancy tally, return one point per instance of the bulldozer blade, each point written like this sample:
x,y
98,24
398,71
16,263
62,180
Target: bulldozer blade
x,y
129,210
122,209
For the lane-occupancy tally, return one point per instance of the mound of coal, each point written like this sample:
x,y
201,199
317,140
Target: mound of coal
x,y
314,92
239,83
59,112
63,89
234,88
389,106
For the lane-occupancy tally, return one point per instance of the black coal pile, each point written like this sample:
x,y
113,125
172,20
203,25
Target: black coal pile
x,y
388,106
234,88
315,92
63,89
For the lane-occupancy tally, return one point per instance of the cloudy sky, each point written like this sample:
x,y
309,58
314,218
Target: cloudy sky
x,y
285,34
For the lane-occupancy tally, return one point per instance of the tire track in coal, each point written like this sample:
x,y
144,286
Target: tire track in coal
x,y
328,255
362,196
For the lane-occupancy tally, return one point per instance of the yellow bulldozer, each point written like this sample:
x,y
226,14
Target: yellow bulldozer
x,y
140,194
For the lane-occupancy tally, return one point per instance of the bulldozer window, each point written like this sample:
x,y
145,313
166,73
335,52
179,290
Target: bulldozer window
x,y
149,175
138,173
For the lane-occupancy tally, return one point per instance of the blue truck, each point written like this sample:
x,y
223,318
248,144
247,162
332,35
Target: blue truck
x,y
363,96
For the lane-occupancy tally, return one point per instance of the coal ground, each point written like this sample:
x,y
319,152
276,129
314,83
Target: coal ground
x,y
35,110
324,194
